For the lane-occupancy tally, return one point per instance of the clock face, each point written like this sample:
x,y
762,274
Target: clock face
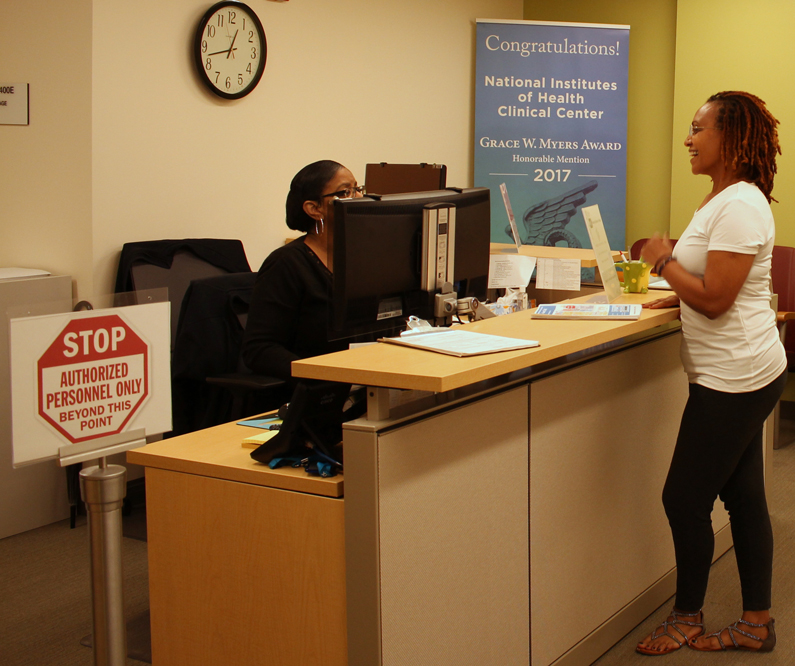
x,y
230,49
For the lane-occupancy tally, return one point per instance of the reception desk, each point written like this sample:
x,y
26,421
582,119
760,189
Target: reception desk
x,y
509,513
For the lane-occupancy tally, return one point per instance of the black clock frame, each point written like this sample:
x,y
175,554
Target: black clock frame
x,y
199,59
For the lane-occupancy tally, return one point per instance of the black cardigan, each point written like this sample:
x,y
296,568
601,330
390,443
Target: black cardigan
x,y
288,318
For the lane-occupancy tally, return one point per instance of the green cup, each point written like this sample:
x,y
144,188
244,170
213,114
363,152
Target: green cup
x,y
636,276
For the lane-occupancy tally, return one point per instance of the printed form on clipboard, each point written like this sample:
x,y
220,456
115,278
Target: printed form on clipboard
x,y
602,305
460,342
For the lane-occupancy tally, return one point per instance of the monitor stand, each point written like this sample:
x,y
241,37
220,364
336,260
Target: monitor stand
x,y
447,304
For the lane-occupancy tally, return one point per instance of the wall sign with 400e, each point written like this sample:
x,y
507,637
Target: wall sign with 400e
x,y
230,49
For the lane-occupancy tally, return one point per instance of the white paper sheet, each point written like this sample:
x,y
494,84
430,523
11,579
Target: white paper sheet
x,y
601,248
558,274
16,273
511,219
658,283
510,270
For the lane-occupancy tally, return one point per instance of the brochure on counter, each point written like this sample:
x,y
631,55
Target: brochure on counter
x,y
253,441
625,312
659,283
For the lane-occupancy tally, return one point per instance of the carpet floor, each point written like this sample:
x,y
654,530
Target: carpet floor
x,y
723,604
45,595
45,592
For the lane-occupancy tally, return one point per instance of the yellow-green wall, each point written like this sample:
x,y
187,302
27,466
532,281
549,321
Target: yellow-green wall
x,y
681,52
734,45
652,44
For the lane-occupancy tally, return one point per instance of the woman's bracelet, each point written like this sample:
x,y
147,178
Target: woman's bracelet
x,y
663,263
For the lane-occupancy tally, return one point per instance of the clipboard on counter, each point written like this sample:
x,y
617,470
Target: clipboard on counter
x,y
460,342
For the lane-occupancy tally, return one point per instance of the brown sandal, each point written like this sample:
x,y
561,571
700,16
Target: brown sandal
x,y
674,619
766,644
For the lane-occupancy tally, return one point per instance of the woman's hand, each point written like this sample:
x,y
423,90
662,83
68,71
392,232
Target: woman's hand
x,y
656,248
671,301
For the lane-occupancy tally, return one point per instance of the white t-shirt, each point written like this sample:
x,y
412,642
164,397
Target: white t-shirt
x,y
740,350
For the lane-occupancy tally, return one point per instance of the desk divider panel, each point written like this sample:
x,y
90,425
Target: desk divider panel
x,y
601,442
453,506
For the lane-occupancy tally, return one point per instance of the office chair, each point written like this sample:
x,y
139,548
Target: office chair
x,y
174,263
782,275
210,384
637,246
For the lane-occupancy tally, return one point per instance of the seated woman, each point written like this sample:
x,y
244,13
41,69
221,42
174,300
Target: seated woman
x,y
288,316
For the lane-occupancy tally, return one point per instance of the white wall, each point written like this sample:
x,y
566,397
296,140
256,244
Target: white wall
x,y
45,167
157,156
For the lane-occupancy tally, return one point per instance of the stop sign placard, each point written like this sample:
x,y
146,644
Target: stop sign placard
x,y
93,378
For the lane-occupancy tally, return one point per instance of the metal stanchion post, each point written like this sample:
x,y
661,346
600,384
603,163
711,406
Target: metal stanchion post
x,y
103,489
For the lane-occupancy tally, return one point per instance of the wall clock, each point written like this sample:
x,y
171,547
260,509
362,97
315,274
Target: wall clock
x,y
230,49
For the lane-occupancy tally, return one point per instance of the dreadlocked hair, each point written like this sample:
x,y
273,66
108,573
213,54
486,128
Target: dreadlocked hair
x,y
750,138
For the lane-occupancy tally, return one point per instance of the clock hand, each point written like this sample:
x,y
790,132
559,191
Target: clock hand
x,y
232,45
219,52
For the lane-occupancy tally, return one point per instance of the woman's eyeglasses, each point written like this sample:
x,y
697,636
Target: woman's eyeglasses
x,y
695,129
348,192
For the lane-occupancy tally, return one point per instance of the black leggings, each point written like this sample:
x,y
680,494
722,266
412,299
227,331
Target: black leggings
x,y
719,454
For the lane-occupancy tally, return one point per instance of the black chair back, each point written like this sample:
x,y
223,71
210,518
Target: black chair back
x,y
207,348
174,263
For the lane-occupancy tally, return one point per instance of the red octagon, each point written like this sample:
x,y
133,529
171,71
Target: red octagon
x,y
93,378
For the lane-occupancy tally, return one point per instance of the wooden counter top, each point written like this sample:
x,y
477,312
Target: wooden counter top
x,y
218,452
394,366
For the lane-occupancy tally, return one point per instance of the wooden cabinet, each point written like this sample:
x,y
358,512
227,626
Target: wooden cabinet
x,y
246,565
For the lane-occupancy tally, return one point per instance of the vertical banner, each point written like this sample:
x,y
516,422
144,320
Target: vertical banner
x,y
551,124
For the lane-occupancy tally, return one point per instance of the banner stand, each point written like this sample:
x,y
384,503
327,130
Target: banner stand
x,y
551,103
103,488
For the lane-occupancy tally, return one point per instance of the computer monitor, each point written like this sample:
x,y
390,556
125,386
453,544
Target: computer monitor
x,y
377,258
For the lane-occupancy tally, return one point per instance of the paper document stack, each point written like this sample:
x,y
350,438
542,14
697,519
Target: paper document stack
x,y
265,432
460,342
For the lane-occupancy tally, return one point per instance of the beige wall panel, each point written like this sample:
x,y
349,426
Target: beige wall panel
x,y
354,81
125,144
598,489
46,174
454,537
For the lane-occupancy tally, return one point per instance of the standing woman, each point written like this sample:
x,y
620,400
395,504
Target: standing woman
x,y
736,367
288,316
